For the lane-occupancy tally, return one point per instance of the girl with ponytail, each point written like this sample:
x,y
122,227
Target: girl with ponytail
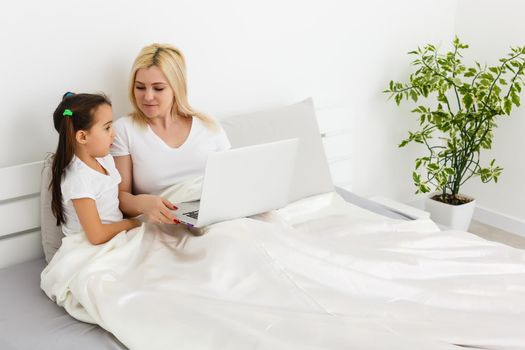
x,y
84,181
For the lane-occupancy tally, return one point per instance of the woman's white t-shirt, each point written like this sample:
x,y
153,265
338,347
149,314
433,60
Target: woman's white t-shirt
x,y
156,165
81,181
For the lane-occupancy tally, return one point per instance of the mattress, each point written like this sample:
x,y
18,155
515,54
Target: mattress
x,y
29,320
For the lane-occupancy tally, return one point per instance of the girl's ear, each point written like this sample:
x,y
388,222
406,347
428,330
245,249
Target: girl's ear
x,y
81,136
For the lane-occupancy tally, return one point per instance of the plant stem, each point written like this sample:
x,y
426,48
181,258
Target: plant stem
x,y
453,76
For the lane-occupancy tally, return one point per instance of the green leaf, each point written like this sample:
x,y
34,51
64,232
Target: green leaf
x,y
496,90
403,143
424,91
449,171
468,100
413,95
515,99
432,166
486,143
507,106
484,82
398,98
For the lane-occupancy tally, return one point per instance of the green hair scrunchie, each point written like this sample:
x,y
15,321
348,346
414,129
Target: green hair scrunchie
x,y
67,113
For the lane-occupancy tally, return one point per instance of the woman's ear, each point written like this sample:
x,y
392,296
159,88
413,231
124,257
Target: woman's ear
x,y
81,136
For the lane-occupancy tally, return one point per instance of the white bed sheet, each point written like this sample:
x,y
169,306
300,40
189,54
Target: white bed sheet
x,y
320,273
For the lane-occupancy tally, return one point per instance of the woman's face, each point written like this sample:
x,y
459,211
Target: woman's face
x,y
153,94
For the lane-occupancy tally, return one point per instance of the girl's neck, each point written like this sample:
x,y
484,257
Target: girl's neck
x,y
90,161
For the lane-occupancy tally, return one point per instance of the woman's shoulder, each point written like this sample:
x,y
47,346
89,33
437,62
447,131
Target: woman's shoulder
x,y
211,131
207,124
125,121
128,126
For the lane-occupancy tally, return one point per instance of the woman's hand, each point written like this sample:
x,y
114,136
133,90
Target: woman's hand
x,y
156,209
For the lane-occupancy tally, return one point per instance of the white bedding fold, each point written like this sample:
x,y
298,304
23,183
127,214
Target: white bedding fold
x,y
319,273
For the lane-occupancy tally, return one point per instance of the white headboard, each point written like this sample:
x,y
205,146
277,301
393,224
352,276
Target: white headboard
x,y
20,213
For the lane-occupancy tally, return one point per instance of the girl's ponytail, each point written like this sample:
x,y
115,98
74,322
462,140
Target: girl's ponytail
x,y
63,155
74,113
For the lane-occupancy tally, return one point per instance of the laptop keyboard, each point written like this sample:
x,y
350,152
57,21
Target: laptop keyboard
x,y
193,214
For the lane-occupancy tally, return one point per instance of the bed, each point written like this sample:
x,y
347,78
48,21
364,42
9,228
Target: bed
x,y
38,323
393,314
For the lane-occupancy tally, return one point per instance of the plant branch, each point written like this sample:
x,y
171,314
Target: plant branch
x,y
453,76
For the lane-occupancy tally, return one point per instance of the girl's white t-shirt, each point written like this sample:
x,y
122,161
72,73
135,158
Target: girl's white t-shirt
x,y
156,165
81,181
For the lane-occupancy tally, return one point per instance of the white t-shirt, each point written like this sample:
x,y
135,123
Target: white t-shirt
x,y
80,181
156,166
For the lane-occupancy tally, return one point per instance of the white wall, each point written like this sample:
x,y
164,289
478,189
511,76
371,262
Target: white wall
x,y
242,56
491,28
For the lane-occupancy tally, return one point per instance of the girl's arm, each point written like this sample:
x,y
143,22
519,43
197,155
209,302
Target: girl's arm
x,y
96,231
154,208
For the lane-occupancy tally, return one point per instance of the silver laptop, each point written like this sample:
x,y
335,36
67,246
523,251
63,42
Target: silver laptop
x,y
242,182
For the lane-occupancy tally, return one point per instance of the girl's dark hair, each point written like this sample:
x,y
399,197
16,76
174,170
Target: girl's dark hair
x,y
79,116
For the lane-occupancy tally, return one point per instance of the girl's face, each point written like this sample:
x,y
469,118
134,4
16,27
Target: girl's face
x,y
153,94
100,136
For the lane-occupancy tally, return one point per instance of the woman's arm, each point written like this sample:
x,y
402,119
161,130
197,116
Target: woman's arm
x,y
96,231
154,208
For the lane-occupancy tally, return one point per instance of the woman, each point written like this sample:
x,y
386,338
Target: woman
x,y
164,141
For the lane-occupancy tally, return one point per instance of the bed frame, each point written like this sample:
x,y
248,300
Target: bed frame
x,y
20,213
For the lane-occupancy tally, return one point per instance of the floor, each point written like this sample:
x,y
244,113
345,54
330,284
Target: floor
x,y
495,234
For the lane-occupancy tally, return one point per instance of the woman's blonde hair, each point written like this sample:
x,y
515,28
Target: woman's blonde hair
x,y
171,62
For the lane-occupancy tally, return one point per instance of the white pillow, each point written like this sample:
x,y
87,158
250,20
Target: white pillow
x,y
51,233
312,174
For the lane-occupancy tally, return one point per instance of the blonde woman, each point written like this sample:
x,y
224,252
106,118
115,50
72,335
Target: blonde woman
x,y
164,140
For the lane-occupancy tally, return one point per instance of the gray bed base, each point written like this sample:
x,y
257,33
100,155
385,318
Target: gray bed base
x,y
29,320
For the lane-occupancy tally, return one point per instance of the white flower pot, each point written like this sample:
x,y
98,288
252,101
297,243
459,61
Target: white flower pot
x,y
456,217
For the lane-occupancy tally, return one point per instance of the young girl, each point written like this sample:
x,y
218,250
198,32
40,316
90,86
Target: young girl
x,y
84,180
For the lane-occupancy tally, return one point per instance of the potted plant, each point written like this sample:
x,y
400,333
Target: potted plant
x,y
457,120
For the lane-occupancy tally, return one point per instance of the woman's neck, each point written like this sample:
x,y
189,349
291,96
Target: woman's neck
x,y
167,122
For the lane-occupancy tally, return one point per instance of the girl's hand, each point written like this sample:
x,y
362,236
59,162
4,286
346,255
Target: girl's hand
x,y
157,209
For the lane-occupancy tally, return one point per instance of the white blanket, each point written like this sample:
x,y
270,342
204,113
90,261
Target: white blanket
x,y
318,274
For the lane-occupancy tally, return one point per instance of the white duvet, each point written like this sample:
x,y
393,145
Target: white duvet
x,y
317,274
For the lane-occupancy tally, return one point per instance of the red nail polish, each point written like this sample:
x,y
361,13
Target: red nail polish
x,y
176,221
175,208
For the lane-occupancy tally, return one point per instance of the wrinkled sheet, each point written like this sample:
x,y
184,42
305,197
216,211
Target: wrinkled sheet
x,y
317,274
